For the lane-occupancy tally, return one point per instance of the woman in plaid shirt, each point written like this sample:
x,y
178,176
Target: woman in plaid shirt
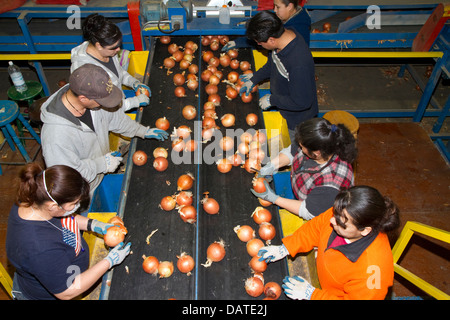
x,y
320,163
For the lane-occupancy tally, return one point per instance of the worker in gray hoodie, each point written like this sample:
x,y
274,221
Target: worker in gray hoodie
x,y
77,121
103,42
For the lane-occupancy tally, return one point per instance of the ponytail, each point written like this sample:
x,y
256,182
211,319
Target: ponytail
x,y
320,134
63,184
96,28
368,208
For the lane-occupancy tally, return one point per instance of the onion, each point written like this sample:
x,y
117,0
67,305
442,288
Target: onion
x,y
185,263
208,123
160,152
256,265
211,88
139,158
172,48
266,231
206,74
254,286
246,98
184,198
214,98
211,113
114,235
233,53
191,145
272,290
178,145
224,60
193,68
189,112
245,233
214,45
180,92
178,79
150,265
185,181
327,26
231,93
207,55
228,120
251,119
183,131
226,143
257,153
251,164
214,253
218,74
246,137
205,41
165,269
233,76
210,205
192,84
207,134
224,165
258,184
188,213
184,64
116,220
160,164
260,136
213,79
261,215
243,148
236,159
253,246
162,123
164,39
244,65
178,56
167,203
224,40
191,45
143,91
234,64
169,63
264,203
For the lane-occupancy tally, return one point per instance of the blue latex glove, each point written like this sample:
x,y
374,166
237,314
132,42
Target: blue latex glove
x,y
264,102
247,85
230,45
268,195
297,288
118,254
157,134
272,253
137,85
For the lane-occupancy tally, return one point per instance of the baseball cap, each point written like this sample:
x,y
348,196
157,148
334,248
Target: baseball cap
x,y
93,82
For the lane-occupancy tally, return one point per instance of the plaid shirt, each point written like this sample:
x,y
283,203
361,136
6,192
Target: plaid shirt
x,y
306,174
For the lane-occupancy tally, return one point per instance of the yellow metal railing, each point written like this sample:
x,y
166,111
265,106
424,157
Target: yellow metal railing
x,y
400,245
6,280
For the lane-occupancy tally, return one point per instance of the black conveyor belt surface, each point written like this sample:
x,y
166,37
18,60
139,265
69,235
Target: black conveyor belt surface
x,y
224,279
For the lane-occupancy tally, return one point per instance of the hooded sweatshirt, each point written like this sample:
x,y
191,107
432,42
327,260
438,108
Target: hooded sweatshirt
x,y
79,56
68,141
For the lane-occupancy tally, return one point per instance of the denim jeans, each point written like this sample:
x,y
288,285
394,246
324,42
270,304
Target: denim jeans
x,y
16,292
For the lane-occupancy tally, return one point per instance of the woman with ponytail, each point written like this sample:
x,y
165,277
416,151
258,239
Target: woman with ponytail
x,y
354,258
320,163
103,42
43,240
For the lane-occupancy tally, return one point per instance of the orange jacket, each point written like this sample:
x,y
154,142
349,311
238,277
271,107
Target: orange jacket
x,y
368,277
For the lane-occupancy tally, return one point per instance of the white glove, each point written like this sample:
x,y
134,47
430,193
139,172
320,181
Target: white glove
x,y
267,170
272,253
297,288
112,162
247,84
230,45
139,101
118,254
264,102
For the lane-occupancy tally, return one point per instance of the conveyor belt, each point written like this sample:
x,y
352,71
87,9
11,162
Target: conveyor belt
x,y
224,279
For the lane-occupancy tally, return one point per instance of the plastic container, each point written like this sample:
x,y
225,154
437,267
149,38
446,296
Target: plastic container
x,y
17,77
224,15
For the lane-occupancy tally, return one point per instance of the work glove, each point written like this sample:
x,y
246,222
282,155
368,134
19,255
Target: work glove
x,y
100,227
139,101
157,134
267,172
247,85
297,288
268,195
230,45
272,253
118,254
137,85
264,102
112,162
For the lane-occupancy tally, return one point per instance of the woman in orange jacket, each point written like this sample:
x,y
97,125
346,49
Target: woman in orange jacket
x,y
354,259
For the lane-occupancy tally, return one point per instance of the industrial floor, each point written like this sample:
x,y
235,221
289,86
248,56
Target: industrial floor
x,y
395,155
